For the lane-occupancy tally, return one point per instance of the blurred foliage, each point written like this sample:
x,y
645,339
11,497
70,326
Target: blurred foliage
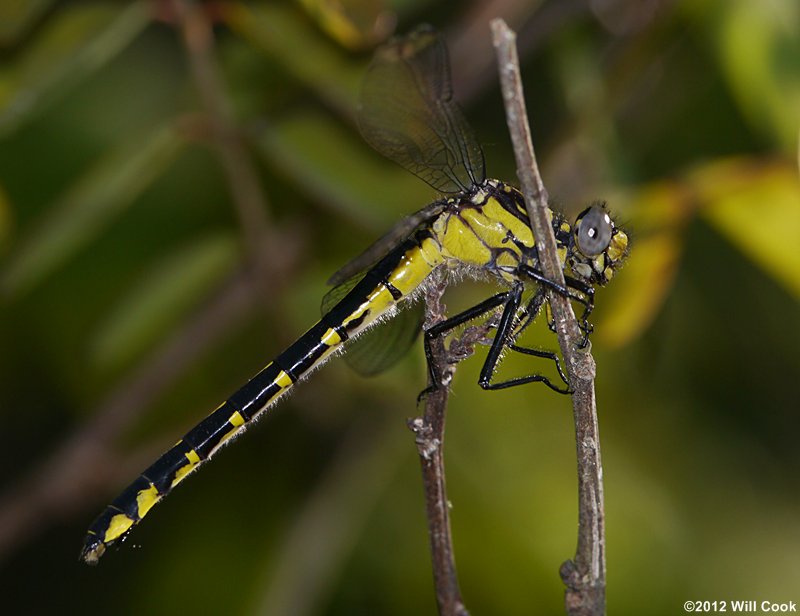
x,y
117,226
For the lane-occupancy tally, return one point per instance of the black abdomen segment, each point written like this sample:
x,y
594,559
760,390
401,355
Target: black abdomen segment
x,y
235,414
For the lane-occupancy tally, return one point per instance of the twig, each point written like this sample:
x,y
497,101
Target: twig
x,y
429,431
246,193
585,576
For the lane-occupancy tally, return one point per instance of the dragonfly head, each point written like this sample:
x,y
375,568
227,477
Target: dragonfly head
x,y
597,247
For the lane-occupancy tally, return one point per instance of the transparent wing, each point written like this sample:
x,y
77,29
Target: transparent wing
x,y
337,293
386,243
407,113
382,346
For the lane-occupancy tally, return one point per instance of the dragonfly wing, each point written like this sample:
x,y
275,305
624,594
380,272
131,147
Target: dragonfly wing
x,y
387,242
337,293
383,345
407,113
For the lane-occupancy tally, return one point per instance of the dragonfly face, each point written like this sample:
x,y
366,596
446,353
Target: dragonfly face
x,y
598,246
482,228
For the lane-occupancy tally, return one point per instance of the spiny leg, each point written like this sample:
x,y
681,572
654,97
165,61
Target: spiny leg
x,y
528,313
551,355
505,333
501,340
447,325
567,291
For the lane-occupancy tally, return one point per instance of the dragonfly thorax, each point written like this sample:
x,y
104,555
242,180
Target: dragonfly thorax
x,y
487,229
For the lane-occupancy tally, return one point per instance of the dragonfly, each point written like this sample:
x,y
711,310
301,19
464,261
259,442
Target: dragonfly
x,y
479,228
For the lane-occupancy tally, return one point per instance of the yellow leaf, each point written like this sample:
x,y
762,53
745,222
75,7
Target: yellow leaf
x,y
356,24
757,207
640,287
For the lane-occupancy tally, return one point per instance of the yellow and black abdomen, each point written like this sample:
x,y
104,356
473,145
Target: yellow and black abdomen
x,y
390,281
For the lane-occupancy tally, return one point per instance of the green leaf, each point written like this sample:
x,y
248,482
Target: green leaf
x,y
282,32
74,44
759,47
160,299
88,206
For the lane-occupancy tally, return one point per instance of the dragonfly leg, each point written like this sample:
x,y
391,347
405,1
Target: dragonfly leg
x,y
530,311
572,289
551,355
527,315
502,339
440,329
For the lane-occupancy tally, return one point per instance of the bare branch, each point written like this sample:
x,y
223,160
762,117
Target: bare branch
x,y
429,431
585,576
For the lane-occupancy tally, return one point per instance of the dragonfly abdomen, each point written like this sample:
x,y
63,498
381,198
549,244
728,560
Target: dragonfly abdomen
x,y
390,281
482,229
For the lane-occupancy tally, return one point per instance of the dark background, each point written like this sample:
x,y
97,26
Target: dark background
x,y
138,290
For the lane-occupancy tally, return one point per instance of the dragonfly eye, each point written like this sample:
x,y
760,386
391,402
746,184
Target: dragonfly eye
x,y
593,231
